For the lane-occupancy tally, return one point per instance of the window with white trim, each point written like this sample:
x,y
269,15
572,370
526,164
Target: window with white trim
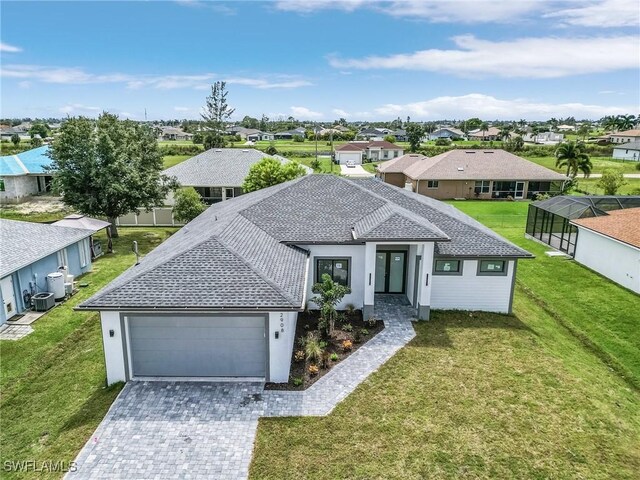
x,y
482,186
432,183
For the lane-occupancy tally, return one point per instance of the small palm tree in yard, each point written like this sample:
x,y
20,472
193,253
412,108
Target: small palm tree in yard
x,y
328,295
572,156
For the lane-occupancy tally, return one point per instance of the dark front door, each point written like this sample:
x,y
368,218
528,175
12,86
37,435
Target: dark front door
x,y
390,271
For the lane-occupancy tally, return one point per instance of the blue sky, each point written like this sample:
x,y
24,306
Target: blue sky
x,y
323,59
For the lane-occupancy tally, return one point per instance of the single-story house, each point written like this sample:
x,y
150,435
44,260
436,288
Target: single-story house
x,y
447,132
483,174
218,174
627,136
250,134
550,221
24,174
289,134
610,245
173,133
400,135
628,151
220,298
543,138
490,135
259,136
373,133
373,151
30,251
8,132
392,171
566,128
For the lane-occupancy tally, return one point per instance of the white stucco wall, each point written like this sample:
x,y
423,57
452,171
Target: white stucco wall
x,y
281,348
626,154
113,347
18,187
613,259
344,157
356,273
472,292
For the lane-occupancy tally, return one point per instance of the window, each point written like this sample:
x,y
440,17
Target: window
x,y
395,153
1,184
386,154
83,246
482,186
447,267
432,183
337,269
492,267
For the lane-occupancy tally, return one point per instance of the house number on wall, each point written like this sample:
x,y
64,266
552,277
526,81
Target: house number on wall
x,y
281,323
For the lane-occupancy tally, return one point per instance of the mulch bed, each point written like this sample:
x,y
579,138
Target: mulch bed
x,y
308,322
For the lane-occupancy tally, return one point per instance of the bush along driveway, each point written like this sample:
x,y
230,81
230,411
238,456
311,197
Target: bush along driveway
x,y
53,381
207,430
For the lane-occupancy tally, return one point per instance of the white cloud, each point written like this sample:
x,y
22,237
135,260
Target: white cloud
x,y
603,13
437,11
545,57
341,113
303,113
5,47
212,5
181,109
486,106
78,109
78,76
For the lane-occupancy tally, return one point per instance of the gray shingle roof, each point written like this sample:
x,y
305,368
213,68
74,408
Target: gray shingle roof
x,y
242,253
635,145
22,243
219,167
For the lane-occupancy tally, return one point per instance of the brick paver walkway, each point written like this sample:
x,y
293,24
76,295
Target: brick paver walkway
x,y
206,430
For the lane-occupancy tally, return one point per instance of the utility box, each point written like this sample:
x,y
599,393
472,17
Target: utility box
x,y
43,301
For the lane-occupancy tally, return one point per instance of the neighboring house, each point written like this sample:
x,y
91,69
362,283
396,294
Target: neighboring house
x,y
446,132
245,133
24,174
610,245
30,251
173,133
7,133
259,136
483,174
544,138
289,134
392,171
341,128
566,128
628,151
490,135
218,174
373,151
551,221
373,133
220,297
400,135
625,137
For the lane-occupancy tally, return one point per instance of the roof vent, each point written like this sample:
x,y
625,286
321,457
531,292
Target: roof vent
x,y
218,150
461,169
245,150
470,151
488,151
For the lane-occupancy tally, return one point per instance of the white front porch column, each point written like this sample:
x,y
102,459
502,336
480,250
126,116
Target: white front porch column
x,y
369,279
424,285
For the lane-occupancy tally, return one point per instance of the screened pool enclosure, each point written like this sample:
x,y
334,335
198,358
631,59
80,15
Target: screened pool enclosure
x,y
549,220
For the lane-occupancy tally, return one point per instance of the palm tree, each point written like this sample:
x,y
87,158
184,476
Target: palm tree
x,y
484,127
625,122
505,132
572,156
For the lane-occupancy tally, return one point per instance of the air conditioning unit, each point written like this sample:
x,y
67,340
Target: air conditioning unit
x,y
43,301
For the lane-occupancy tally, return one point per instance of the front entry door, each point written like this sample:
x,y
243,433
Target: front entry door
x,y
8,297
390,271
519,190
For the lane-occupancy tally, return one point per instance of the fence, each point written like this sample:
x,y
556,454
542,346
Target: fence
x,y
158,217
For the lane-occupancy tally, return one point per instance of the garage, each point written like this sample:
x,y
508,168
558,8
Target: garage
x,y
198,346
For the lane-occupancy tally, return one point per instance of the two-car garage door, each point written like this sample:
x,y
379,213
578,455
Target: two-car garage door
x,y
197,346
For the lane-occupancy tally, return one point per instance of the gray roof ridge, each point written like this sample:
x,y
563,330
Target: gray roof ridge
x,y
262,274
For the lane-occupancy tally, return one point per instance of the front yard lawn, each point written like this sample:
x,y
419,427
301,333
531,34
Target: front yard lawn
x,y
53,381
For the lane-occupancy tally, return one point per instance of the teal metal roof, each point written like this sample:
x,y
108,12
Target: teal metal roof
x,y
29,162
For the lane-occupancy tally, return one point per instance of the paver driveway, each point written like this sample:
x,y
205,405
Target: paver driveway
x,y
199,430
175,430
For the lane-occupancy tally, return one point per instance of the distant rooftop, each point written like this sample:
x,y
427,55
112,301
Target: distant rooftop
x,y
29,162
622,225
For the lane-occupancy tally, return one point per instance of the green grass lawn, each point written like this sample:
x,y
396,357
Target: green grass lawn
x,y
550,392
171,160
590,185
599,164
45,217
53,381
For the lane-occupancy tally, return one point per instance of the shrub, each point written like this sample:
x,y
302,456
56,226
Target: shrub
x,y
297,381
271,150
372,321
341,318
299,356
313,370
298,138
442,142
315,164
188,204
611,181
325,360
350,308
334,357
364,331
347,345
312,349
357,336
328,295
347,327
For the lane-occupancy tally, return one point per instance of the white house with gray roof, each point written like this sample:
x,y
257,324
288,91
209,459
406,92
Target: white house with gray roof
x,y
220,297
218,174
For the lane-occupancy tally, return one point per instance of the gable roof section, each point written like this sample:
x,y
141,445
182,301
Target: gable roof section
x,y
384,145
244,253
495,164
400,164
219,167
30,162
351,147
23,243
622,225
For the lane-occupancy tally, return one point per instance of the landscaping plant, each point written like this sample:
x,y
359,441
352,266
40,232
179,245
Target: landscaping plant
x,y
329,294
